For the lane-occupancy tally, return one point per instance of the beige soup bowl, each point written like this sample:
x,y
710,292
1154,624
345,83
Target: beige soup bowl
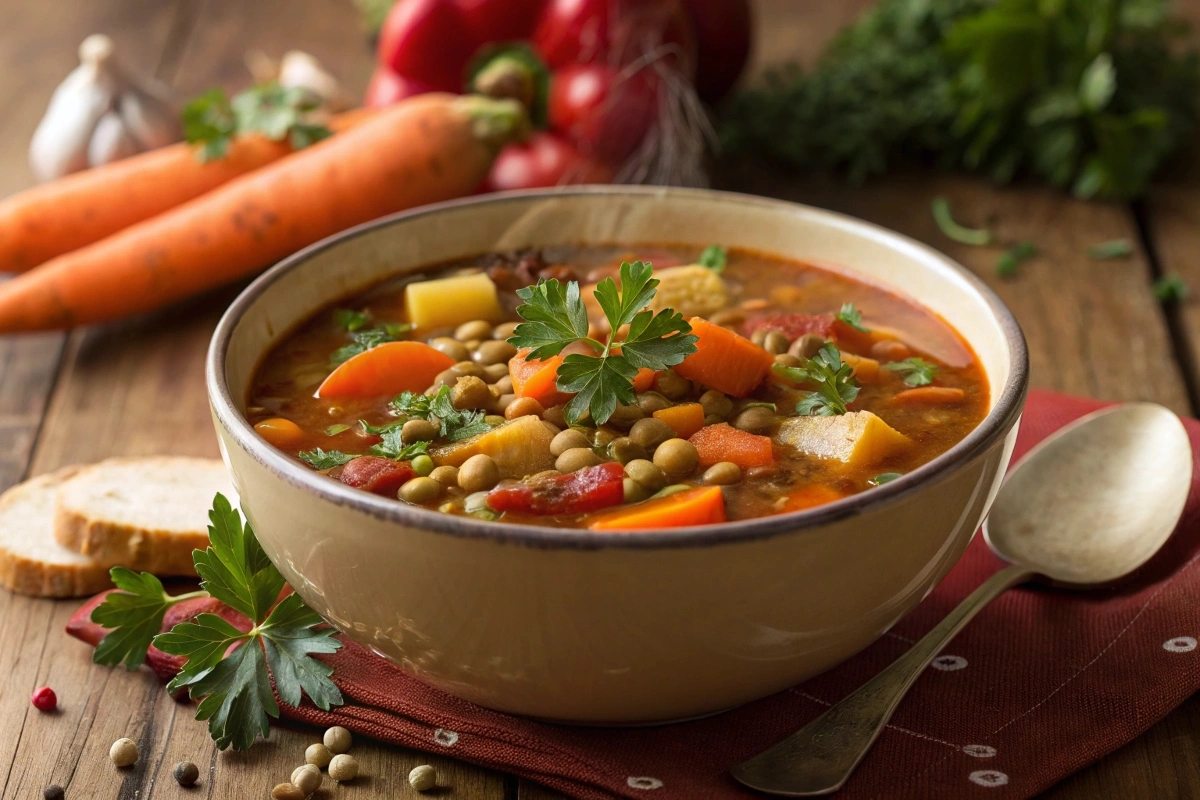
x,y
594,627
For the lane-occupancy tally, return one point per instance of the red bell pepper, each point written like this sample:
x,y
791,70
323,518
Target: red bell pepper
x,y
591,71
588,489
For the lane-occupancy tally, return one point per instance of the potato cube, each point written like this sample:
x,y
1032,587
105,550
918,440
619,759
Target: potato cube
x,y
447,302
519,448
859,438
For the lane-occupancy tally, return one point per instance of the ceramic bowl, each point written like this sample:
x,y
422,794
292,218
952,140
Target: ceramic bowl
x,y
599,628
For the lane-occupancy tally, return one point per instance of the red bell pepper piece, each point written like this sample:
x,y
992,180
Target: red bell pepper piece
x,y
589,489
792,326
377,475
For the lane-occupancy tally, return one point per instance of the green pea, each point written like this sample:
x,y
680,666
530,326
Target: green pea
x,y
422,465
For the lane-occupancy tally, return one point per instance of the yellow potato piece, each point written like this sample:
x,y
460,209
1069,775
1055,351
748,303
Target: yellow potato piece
x,y
859,438
519,448
447,302
693,291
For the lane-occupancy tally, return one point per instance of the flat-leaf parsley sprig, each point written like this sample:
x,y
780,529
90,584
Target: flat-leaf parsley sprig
x,y
916,371
233,686
555,317
834,380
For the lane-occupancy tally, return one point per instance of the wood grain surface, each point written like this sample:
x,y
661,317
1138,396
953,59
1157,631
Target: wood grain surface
x,y
1094,328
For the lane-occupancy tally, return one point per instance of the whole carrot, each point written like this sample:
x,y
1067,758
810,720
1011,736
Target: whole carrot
x,y
84,207
428,148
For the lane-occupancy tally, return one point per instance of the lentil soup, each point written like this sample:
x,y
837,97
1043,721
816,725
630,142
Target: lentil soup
x,y
737,385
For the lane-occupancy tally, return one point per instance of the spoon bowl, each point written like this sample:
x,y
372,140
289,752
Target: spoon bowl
x,y
1087,507
1093,502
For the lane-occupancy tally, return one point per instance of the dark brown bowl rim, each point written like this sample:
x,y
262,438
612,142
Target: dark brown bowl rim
x,y
996,424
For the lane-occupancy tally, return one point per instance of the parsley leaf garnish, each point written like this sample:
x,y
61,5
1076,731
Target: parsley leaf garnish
x,y
364,340
1171,289
393,446
212,120
233,686
714,257
916,371
555,317
1115,248
852,317
834,379
349,320
457,424
886,477
1013,257
325,459
334,430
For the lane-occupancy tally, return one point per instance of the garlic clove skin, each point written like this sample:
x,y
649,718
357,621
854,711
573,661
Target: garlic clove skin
x,y
149,118
60,143
111,141
301,70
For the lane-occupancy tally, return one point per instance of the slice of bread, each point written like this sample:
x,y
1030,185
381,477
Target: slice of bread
x,y
31,561
147,514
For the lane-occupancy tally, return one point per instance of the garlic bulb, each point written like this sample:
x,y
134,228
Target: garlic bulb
x,y
297,69
100,114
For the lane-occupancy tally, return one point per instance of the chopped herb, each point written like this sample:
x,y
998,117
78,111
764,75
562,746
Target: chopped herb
x,y
851,316
377,430
1117,248
1171,289
213,121
349,320
555,317
364,340
887,477
457,424
714,257
326,459
1013,257
836,388
916,371
393,446
229,671
959,233
334,430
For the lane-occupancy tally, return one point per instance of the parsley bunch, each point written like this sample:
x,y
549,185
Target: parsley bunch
x,y
1089,95
234,687
833,378
555,317
213,121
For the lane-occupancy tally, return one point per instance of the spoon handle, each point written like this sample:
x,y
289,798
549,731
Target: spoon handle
x,y
819,757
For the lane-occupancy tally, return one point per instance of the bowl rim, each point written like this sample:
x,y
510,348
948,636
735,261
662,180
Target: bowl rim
x,y
1005,412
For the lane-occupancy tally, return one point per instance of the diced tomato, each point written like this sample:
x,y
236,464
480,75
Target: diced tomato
x,y
792,326
589,489
377,475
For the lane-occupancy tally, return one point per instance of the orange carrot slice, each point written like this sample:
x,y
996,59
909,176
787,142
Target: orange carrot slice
x,y
388,369
537,379
810,497
715,443
644,379
684,419
931,396
703,506
725,361
866,370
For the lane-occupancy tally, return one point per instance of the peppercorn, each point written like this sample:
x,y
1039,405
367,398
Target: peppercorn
x,y
423,778
343,768
54,792
318,755
124,752
337,739
306,778
186,773
44,699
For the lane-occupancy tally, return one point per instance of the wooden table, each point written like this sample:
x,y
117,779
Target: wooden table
x,y
1094,328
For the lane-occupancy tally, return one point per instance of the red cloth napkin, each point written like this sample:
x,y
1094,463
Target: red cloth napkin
x,y
1039,685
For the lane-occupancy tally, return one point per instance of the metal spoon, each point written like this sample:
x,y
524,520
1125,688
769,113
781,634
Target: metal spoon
x,y
1087,506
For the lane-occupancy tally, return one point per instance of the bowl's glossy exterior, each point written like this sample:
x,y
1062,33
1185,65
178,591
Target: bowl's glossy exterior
x,y
604,628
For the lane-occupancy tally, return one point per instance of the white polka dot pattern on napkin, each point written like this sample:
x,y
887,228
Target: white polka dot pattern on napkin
x,y
445,738
1180,644
979,750
643,782
949,663
988,777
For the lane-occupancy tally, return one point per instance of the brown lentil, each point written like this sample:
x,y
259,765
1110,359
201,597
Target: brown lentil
x,y
556,415
758,420
492,352
470,392
576,459
478,473
523,407
624,416
652,401
775,343
807,346
475,329
568,440
503,385
634,491
468,368
451,347
446,476
494,373
624,450
505,330
723,473
716,404
676,457
419,491
419,430
788,360
647,474
671,385
651,432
